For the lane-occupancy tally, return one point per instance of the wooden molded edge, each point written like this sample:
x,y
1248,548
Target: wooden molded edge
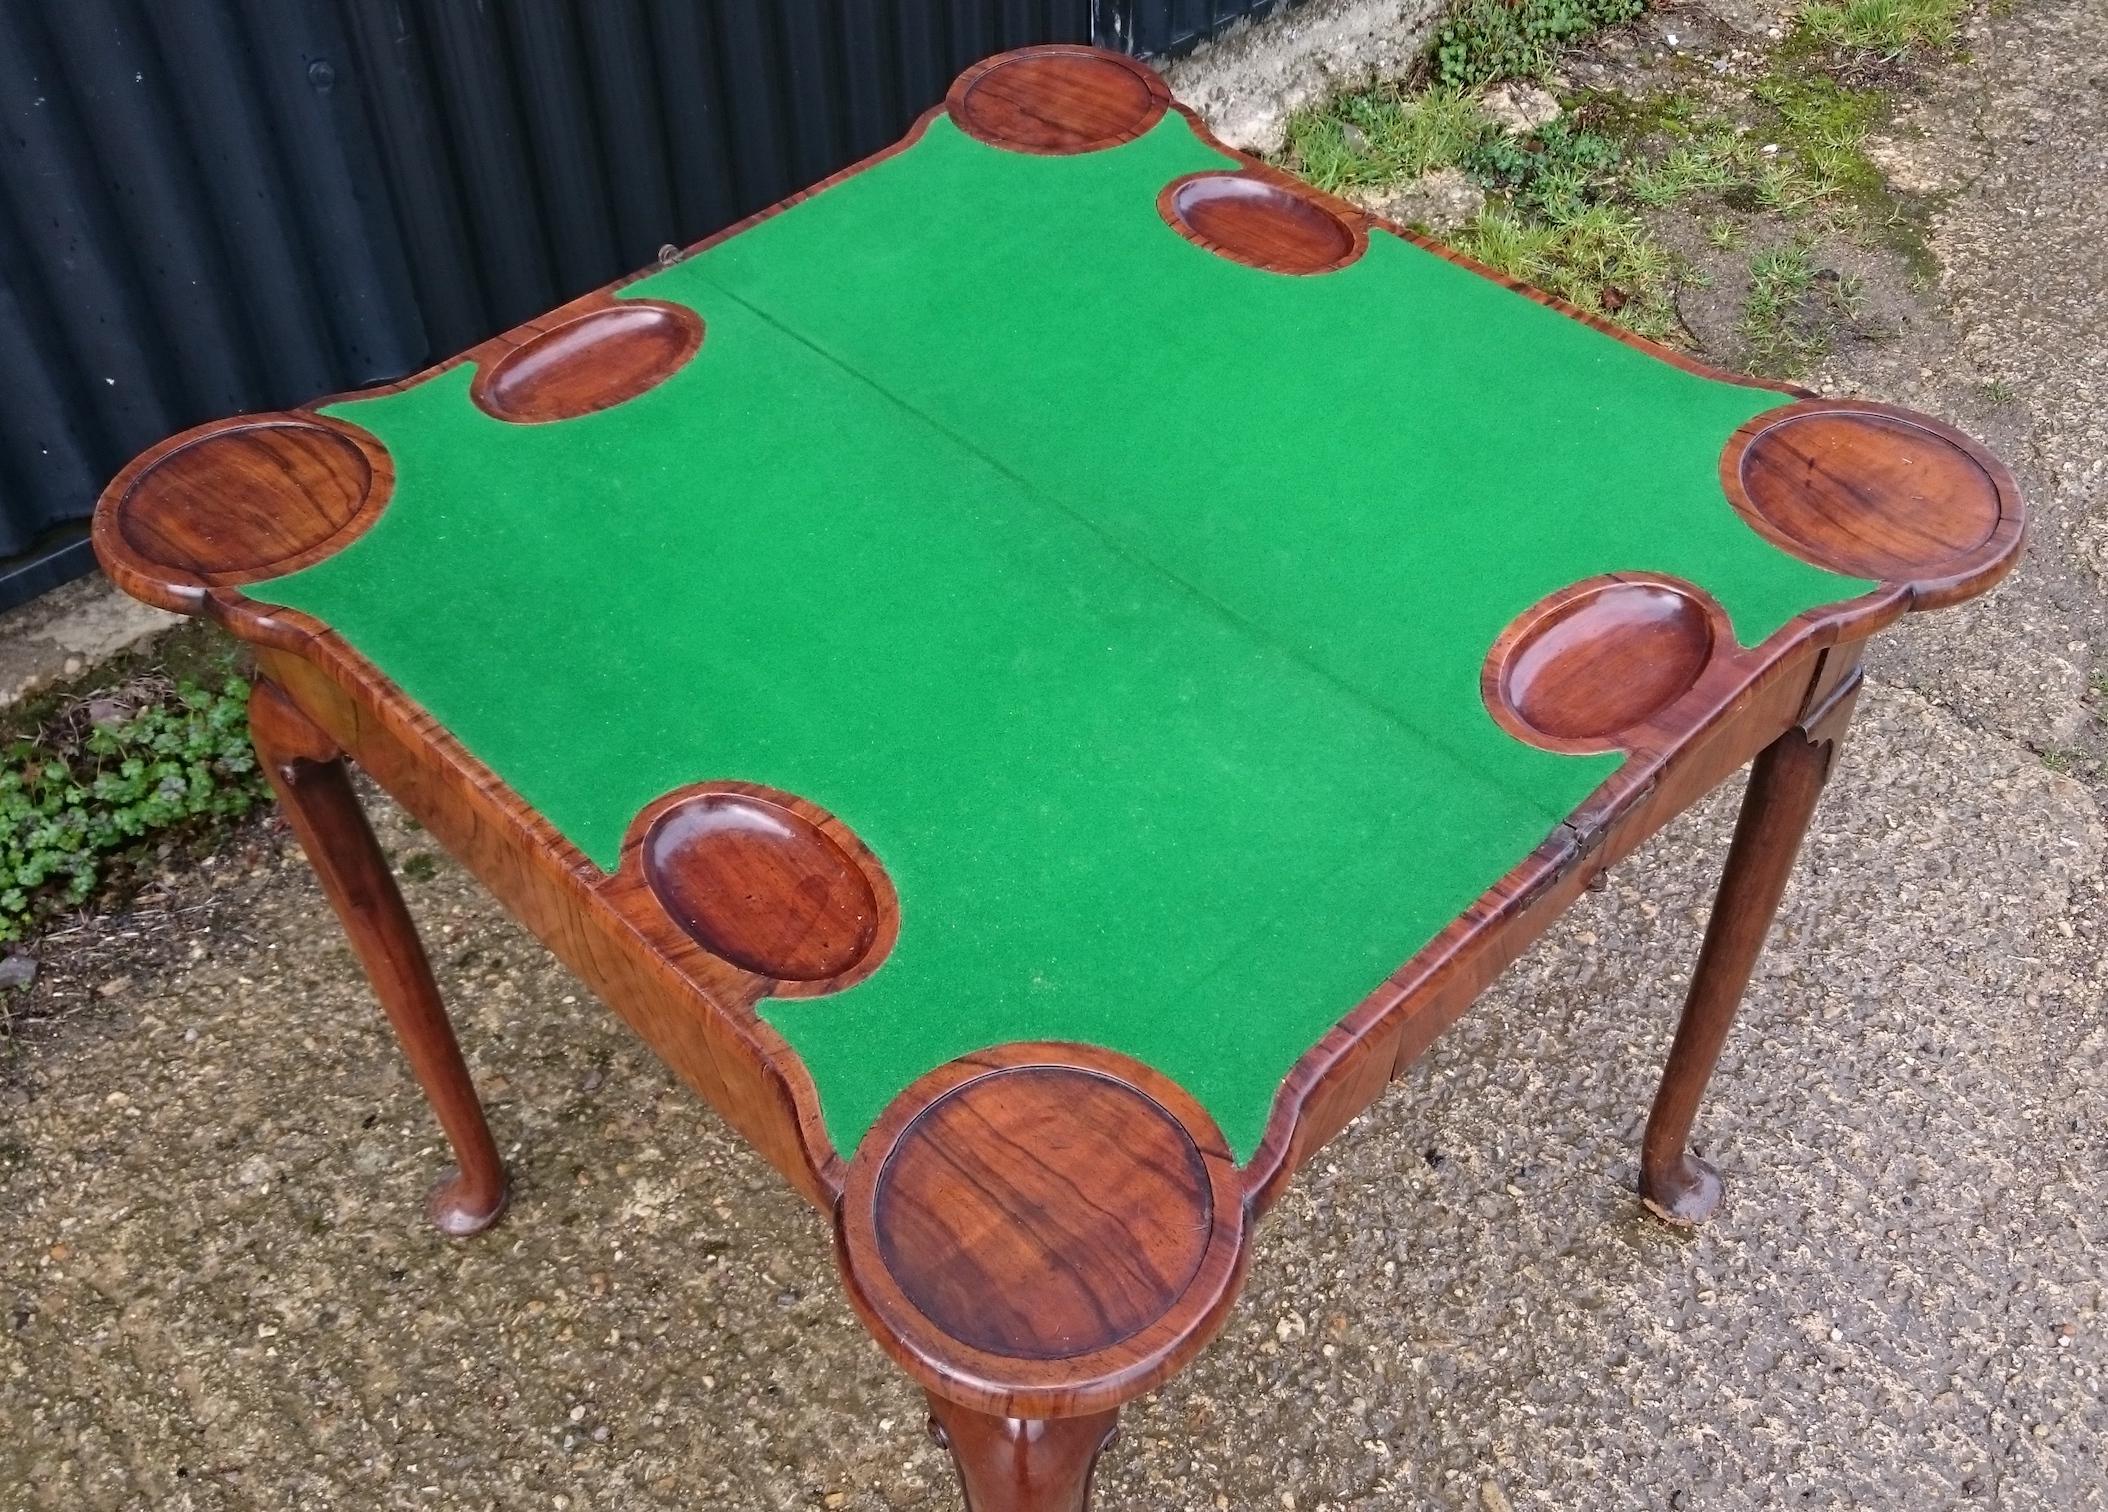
x,y
957,97
632,881
1963,575
1352,223
186,590
1557,608
1088,1382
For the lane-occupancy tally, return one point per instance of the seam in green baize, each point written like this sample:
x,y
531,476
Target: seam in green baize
x,y
1128,602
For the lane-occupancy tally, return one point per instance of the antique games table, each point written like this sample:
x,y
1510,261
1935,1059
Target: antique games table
x,y
1038,675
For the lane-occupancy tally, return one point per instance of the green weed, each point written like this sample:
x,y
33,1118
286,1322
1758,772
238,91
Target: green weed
x,y
108,773
419,866
1886,28
1553,225
2066,761
1557,171
1566,200
1483,41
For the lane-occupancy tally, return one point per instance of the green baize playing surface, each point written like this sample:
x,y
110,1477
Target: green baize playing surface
x,y
1129,602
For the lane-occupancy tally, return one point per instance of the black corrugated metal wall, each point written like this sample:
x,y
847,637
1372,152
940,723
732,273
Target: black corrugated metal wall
x,y
210,206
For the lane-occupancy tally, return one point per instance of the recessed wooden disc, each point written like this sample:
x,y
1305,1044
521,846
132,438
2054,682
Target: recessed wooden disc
x,y
761,886
1043,1212
593,362
1262,224
246,501
1057,100
1597,660
1868,493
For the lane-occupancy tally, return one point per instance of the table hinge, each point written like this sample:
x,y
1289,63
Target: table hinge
x,y
1578,838
1560,850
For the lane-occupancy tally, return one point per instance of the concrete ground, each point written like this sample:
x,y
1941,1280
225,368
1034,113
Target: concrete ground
x,y
216,1289
69,632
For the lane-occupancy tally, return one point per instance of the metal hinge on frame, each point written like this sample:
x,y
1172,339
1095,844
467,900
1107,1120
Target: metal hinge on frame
x,y
1576,839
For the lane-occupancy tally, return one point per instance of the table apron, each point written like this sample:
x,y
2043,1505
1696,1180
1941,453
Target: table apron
x,y
696,1036
1654,792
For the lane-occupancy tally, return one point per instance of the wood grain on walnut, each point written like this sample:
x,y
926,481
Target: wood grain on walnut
x,y
1261,222
1874,491
591,362
1056,101
1586,667
1042,1230
761,885
237,501
1083,1274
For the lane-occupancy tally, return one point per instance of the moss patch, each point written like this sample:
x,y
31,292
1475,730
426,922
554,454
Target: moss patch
x,y
1821,127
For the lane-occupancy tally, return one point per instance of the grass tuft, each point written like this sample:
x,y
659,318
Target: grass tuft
x,y
1790,307
1778,278
1688,169
1595,256
2068,761
1384,135
1885,28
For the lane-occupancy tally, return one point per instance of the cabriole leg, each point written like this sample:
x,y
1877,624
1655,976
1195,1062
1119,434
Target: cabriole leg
x,y
307,771
1784,784
1022,1464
